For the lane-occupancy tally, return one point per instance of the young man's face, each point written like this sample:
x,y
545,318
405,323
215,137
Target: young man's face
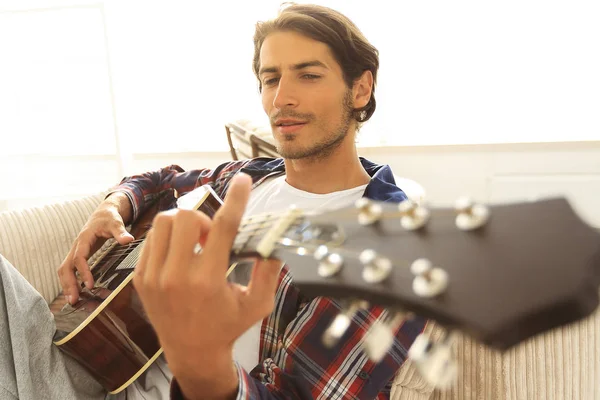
x,y
304,95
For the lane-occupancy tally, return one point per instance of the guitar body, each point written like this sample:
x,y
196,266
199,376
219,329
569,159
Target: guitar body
x,y
107,330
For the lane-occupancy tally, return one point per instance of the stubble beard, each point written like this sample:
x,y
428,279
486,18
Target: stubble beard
x,y
328,144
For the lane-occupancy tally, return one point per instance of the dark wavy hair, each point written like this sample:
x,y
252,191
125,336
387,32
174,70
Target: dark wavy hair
x,y
349,46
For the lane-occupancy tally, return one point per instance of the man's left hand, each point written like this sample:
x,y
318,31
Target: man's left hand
x,y
196,313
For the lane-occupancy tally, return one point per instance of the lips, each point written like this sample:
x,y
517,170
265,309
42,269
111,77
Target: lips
x,y
291,128
288,121
288,125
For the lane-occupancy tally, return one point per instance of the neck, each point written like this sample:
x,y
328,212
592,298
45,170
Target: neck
x,y
340,170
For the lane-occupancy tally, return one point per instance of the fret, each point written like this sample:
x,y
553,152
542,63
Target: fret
x,y
131,259
250,229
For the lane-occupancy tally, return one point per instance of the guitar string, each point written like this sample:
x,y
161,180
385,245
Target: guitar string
x,y
248,230
310,248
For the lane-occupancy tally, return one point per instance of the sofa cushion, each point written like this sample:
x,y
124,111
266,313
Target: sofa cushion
x,y
36,240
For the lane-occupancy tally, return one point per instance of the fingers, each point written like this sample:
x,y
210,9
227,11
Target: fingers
x,y
262,286
67,278
140,268
225,224
172,241
76,260
158,243
82,252
188,229
101,225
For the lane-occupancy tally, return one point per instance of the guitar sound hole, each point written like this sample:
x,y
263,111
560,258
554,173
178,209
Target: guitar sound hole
x,y
116,278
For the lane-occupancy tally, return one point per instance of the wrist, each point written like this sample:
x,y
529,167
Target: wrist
x,y
119,202
210,378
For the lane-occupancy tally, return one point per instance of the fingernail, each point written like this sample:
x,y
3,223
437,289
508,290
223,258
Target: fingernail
x,y
68,297
89,284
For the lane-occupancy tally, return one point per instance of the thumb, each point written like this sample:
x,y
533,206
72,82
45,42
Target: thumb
x,y
122,236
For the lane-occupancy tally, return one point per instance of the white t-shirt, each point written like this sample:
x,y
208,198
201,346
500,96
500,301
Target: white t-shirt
x,y
276,195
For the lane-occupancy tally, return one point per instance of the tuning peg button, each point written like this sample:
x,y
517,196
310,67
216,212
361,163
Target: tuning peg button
x,y
336,330
429,281
369,211
380,337
378,341
376,269
470,215
330,263
340,323
434,360
414,216
420,348
321,252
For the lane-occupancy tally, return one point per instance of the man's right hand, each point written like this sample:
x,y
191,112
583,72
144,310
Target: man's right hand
x,y
104,223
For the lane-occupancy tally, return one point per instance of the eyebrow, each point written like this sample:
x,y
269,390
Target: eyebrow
x,y
295,67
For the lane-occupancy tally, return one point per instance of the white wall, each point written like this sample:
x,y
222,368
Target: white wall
x,y
503,172
36,180
489,173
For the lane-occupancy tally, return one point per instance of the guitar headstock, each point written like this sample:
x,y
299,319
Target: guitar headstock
x,y
500,273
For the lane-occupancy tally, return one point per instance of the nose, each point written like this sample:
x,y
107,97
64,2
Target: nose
x,y
285,96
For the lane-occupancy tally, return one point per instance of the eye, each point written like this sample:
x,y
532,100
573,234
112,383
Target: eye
x,y
270,81
310,77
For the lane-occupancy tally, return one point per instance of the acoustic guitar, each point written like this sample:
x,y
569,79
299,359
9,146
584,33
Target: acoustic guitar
x,y
107,330
499,273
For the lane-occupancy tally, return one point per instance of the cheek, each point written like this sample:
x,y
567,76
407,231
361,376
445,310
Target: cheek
x,y
267,101
329,107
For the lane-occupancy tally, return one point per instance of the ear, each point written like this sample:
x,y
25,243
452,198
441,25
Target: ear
x,y
361,91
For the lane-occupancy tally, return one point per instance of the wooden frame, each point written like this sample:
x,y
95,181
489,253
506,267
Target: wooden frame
x,y
244,144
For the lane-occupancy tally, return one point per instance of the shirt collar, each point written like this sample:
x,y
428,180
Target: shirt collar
x,y
382,186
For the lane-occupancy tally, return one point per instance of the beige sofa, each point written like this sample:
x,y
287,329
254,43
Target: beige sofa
x,y
563,364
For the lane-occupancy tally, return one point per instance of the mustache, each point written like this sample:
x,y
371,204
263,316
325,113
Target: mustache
x,y
290,114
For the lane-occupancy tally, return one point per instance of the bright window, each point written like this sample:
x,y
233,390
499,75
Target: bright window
x,y
164,76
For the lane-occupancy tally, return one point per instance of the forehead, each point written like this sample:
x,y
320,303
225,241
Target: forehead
x,y
283,49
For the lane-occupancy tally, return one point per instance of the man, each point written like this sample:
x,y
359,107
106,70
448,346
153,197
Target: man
x,y
317,77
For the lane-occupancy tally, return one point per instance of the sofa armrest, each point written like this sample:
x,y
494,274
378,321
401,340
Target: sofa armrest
x,y
559,364
556,364
37,239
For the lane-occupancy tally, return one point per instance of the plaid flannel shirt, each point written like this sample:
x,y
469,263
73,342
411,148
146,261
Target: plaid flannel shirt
x,y
294,364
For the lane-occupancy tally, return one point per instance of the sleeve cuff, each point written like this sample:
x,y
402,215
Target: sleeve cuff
x,y
127,192
242,394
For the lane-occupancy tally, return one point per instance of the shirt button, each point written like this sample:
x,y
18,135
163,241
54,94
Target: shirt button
x,y
363,375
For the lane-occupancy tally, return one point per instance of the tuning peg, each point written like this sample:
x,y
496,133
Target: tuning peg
x,y
429,281
380,337
414,216
434,360
470,215
369,211
330,263
341,322
376,269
